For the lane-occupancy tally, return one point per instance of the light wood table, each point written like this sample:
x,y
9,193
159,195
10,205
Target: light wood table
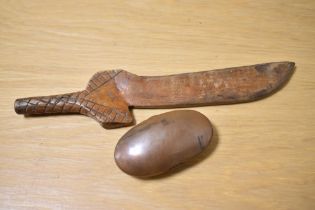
x,y
262,155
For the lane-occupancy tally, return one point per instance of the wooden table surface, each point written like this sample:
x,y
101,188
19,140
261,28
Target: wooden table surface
x,y
262,155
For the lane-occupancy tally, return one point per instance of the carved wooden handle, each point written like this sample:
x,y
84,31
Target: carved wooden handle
x,y
56,104
100,100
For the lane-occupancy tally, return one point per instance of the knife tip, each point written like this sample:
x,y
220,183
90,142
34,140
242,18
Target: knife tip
x,y
291,65
284,70
290,68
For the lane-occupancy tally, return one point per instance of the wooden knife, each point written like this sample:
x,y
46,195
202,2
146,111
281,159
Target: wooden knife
x,y
109,95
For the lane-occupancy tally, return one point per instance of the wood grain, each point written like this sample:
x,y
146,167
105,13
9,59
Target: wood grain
x,y
263,155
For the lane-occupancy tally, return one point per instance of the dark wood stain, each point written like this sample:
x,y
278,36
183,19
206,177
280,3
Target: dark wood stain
x,y
261,68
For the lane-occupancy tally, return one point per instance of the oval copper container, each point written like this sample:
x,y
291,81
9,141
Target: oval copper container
x,y
162,142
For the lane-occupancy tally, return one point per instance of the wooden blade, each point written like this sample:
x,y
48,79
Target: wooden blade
x,y
222,86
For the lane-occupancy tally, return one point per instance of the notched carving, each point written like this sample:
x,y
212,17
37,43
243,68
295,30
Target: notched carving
x,y
83,102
